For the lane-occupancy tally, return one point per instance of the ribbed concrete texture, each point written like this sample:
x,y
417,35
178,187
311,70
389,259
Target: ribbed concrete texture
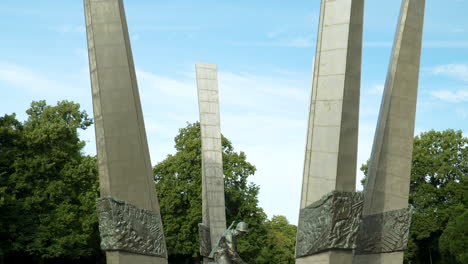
x,y
123,156
214,210
388,180
331,148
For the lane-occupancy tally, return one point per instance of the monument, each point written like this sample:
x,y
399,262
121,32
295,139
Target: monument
x,y
386,218
214,210
225,251
128,210
330,209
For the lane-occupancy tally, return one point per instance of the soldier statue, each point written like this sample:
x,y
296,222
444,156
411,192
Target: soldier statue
x,y
225,251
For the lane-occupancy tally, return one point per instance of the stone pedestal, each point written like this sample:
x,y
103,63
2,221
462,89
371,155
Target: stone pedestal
x,y
125,172
386,218
331,147
214,210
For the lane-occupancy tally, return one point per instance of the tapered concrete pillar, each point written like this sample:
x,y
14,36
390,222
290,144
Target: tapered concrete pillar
x,y
214,210
386,218
129,217
331,148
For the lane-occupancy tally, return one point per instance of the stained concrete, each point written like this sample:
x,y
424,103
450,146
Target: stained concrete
x,y
387,258
125,171
331,147
387,186
214,211
328,257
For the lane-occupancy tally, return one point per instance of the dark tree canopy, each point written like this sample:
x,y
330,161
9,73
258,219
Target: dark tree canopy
x,y
48,187
439,193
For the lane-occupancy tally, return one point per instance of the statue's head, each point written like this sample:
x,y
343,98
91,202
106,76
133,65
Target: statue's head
x,y
242,228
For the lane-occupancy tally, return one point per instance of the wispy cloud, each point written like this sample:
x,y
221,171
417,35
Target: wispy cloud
x,y
26,78
453,97
283,37
296,42
151,84
458,71
135,37
70,29
425,44
463,112
457,30
265,116
377,89
445,44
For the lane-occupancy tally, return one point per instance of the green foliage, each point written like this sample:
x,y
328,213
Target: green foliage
x,y
439,193
48,187
178,181
454,239
280,242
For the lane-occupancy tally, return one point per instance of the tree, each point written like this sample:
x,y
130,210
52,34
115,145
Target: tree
x,y
48,185
439,193
178,181
280,242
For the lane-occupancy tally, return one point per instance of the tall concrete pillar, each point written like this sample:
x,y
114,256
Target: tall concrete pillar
x,y
128,210
386,218
329,176
214,210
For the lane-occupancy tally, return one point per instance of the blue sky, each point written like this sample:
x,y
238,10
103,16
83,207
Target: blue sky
x,y
264,51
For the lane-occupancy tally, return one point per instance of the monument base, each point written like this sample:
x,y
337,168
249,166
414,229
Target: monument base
x,y
121,257
382,258
332,256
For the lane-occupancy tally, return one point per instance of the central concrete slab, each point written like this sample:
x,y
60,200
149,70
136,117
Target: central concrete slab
x,y
125,171
386,218
331,147
214,210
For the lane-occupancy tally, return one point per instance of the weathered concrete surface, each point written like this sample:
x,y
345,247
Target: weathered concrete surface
x,y
214,210
387,258
387,185
328,257
331,148
123,156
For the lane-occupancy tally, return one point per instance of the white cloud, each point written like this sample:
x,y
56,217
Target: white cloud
x,y
458,71
153,83
293,42
457,30
463,112
449,96
263,116
20,85
70,29
377,89
135,37
26,78
425,44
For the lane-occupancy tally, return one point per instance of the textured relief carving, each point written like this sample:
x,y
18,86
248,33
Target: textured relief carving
x,y
385,232
125,227
205,240
330,223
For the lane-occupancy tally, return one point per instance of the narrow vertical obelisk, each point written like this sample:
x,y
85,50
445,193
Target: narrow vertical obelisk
x,y
386,217
214,210
128,210
331,148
